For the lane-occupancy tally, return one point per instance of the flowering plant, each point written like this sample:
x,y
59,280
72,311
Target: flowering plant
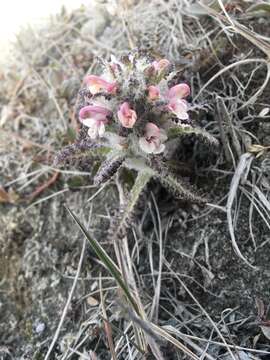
x,y
132,106
135,109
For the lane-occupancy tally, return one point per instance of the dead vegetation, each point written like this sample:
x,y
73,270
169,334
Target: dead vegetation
x,y
182,292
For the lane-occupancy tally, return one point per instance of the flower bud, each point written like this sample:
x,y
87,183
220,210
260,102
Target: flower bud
x,y
179,91
153,92
96,84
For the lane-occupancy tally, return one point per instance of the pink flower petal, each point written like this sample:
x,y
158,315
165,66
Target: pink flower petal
x,y
97,84
151,129
95,118
126,115
147,147
179,108
163,63
160,65
179,91
92,111
152,141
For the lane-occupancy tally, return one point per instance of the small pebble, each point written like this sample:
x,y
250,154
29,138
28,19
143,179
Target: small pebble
x,y
40,327
91,301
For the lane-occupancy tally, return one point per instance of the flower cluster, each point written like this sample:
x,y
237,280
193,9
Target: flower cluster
x,y
131,113
132,105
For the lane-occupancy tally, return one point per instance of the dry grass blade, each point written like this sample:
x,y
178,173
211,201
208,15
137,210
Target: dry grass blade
x,y
128,274
57,333
145,326
240,172
46,198
234,347
223,133
165,335
262,198
254,97
158,230
107,325
250,36
106,261
225,119
200,306
125,263
258,203
231,66
155,349
240,29
126,337
156,333
191,343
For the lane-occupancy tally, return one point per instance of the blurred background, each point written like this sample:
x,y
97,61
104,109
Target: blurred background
x,y
16,14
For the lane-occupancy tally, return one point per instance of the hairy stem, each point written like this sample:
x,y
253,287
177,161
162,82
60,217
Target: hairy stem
x,y
126,211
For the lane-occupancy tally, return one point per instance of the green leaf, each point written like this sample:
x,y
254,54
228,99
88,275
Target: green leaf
x,y
107,262
142,179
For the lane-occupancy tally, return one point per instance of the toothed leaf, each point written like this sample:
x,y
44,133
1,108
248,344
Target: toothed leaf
x,y
178,190
76,150
202,134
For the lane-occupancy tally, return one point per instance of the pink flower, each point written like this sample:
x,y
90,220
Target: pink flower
x,y
97,84
160,65
179,91
157,67
153,92
177,105
179,108
152,141
95,118
126,115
